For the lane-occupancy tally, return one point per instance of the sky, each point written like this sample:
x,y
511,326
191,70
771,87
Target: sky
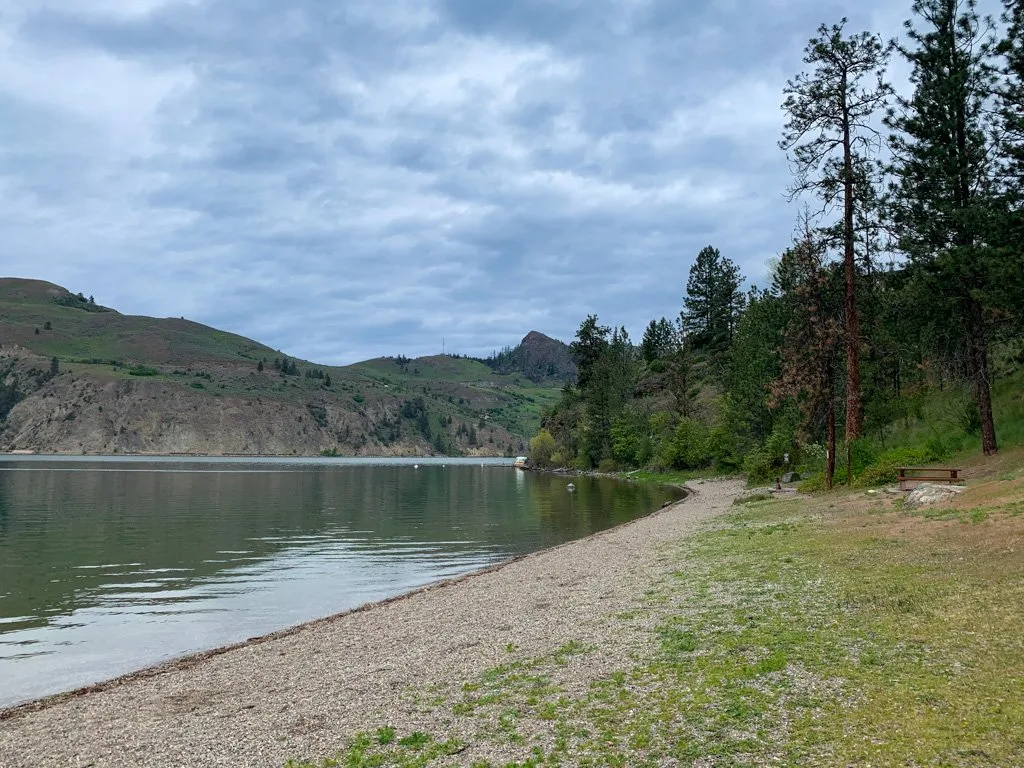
x,y
345,180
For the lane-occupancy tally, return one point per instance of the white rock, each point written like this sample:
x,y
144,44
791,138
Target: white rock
x,y
929,493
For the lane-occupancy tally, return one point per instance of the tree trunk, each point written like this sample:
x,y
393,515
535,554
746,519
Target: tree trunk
x,y
854,409
830,469
979,373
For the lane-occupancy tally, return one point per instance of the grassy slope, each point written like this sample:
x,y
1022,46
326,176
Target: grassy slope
x,y
185,353
837,630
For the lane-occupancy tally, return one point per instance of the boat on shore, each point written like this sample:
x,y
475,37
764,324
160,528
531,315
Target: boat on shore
x,y
522,462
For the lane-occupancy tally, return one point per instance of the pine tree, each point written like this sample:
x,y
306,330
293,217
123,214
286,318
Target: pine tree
x,y
327,380
1011,100
588,348
259,366
830,139
660,340
713,301
941,201
1010,106
812,342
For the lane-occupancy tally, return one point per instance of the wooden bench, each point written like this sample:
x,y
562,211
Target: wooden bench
x,y
911,477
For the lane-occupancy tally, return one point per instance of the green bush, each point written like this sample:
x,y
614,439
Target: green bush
x,y
688,446
759,466
542,448
884,468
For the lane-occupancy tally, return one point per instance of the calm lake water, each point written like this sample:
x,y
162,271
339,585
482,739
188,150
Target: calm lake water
x,y
111,565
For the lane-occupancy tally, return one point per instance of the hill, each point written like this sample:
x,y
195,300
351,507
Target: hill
x,y
538,357
124,383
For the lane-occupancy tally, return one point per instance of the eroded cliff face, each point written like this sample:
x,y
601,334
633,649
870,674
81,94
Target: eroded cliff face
x,y
66,413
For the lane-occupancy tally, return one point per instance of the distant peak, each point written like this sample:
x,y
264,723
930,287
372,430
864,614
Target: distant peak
x,y
535,336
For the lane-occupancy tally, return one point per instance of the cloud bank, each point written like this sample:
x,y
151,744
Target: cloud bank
x,y
347,180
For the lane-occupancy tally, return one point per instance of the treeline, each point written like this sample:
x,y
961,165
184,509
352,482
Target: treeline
x,y
906,275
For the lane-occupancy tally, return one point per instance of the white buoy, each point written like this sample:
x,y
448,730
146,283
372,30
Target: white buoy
x,y
415,466
570,487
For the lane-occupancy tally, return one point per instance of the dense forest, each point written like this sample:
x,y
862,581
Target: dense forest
x,y
904,278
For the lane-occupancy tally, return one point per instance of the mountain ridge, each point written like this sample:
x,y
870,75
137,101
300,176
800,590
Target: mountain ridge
x,y
137,384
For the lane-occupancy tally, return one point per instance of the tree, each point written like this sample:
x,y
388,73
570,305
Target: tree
x,y
1010,106
941,202
259,366
713,301
660,340
47,326
327,380
1011,99
753,365
830,138
812,342
54,366
591,342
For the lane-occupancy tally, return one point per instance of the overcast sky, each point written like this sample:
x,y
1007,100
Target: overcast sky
x,y
347,179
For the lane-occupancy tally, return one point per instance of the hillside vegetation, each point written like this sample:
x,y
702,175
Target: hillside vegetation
x,y
79,377
890,332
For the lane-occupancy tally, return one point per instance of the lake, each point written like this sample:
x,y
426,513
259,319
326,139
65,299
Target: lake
x,y
111,565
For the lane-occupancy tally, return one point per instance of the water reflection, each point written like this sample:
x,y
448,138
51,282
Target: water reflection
x,y
107,566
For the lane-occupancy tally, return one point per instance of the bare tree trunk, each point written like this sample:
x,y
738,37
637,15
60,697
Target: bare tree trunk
x,y
979,374
854,409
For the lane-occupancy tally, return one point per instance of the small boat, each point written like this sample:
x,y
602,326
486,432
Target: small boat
x,y
570,487
521,462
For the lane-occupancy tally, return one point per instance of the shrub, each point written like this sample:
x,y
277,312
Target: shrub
x,y
688,446
759,466
542,448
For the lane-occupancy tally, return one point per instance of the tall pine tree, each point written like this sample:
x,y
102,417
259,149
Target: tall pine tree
x,y
942,203
713,301
831,138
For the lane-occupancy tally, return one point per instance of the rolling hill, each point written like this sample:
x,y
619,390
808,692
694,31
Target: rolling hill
x,y
76,377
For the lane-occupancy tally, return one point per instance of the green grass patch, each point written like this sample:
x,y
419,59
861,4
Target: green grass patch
x,y
789,633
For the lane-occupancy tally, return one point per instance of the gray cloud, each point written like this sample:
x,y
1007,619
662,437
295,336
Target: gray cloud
x,y
347,180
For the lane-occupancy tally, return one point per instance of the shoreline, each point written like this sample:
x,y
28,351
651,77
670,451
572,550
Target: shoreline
x,y
192,659
298,691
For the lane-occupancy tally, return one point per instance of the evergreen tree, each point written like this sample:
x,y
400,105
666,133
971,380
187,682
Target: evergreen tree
x,y
941,202
660,340
1010,105
713,301
589,347
327,380
259,366
830,138
1011,100
54,367
754,365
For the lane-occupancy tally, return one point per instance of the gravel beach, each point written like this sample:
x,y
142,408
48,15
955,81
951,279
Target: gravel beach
x,y
300,693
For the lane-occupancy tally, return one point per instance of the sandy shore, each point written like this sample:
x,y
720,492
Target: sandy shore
x,y
300,693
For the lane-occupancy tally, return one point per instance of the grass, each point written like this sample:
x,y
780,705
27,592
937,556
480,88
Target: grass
x,y
833,631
